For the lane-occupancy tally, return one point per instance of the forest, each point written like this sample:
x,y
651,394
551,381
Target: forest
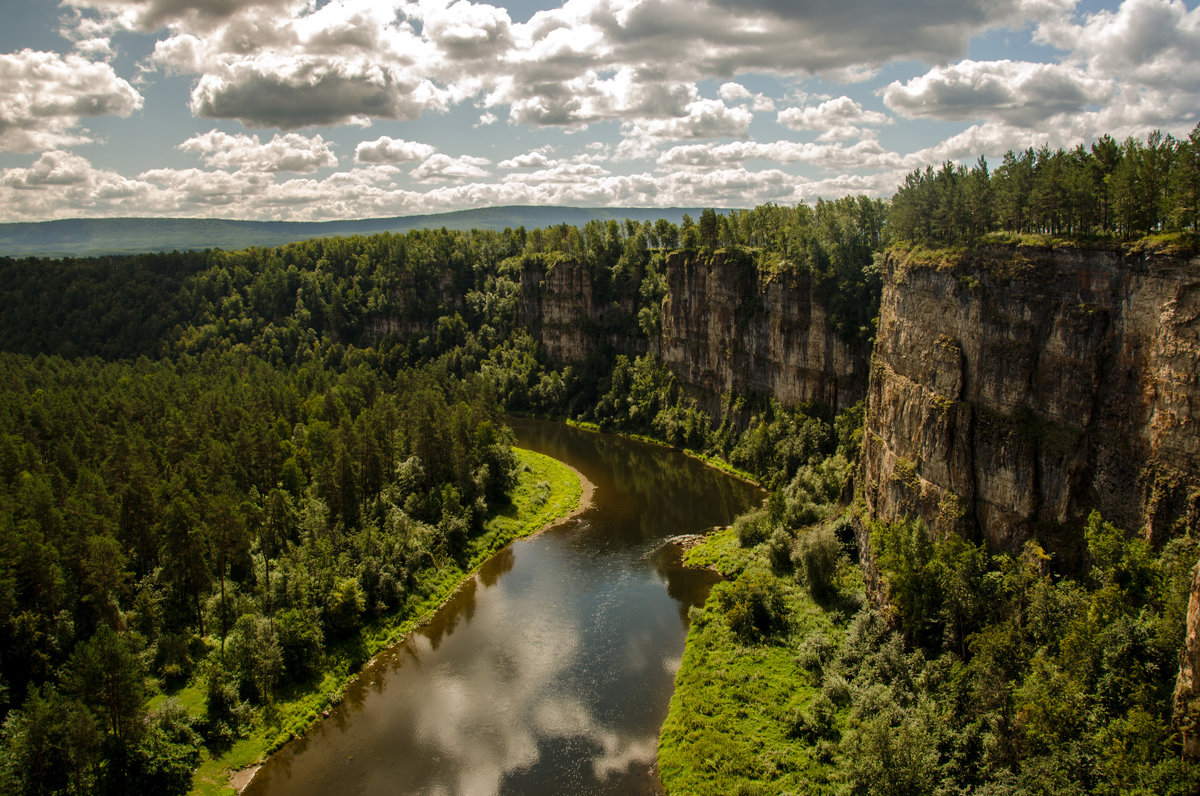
x,y
222,468
1122,190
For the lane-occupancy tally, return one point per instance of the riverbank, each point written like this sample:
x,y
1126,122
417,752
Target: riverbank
x,y
734,716
715,462
548,492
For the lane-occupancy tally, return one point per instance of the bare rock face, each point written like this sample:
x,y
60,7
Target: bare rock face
x,y
1187,685
562,308
1014,390
727,326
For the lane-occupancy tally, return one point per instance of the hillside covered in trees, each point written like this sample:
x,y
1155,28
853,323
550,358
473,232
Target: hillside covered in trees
x,y
221,469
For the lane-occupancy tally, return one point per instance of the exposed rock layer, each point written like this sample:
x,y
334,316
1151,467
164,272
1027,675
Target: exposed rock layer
x,y
1015,390
727,326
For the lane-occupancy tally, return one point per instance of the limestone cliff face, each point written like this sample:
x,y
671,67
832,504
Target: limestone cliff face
x,y
1013,391
1187,684
563,309
727,326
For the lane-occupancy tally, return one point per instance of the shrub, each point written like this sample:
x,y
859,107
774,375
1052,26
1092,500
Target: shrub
x,y
752,527
815,557
755,607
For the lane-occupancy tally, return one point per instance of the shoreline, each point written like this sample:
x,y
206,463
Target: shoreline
x,y
241,778
714,462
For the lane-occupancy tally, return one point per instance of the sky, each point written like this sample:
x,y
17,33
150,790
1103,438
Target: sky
x,y
334,109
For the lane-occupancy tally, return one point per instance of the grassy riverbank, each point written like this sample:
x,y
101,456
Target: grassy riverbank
x,y
740,706
546,490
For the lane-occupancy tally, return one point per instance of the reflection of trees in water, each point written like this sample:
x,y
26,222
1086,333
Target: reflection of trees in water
x,y
699,496
685,585
496,566
461,606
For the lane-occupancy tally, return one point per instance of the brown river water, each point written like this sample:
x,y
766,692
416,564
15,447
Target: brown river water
x,y
551,671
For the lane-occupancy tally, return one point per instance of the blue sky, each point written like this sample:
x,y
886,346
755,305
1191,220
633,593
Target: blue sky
x,y
324,109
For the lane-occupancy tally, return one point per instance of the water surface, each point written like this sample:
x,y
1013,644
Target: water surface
x,y
552,670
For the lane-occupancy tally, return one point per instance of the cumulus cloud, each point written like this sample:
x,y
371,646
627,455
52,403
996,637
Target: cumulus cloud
x,y
536,159
391,150
836,118
1154,43
561,172
445,167
289,152
627,94
864,154
1019,92
148,16
302,92
44,95
736,92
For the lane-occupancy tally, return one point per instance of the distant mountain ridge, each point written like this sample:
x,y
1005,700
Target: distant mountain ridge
x,y
97,236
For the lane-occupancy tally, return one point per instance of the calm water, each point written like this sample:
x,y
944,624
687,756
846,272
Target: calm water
x,y
550,672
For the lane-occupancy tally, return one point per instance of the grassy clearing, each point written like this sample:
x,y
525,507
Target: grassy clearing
x,y
733,717
546,490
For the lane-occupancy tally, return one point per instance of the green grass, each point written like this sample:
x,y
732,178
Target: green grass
x,y
295,710
735,704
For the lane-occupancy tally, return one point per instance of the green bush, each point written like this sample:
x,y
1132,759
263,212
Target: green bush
x,y
815,557
755,607
752,528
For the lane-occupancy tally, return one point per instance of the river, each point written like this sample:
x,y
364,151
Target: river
x,y
551,671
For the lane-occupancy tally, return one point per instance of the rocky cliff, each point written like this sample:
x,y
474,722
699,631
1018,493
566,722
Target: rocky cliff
x,y
575,313
726,326
1012,390
730,326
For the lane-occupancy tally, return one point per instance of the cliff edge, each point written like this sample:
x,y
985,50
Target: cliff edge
x,y
1014,389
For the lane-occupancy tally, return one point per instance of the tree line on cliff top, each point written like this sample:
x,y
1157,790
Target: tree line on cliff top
x,y
1122,190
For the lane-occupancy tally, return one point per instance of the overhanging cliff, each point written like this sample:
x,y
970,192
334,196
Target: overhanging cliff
x,y
1013,390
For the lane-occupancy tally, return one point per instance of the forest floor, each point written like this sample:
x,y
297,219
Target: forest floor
x,y
533,509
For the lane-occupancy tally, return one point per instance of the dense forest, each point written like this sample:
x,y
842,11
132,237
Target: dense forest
x,y
220,467
1120,190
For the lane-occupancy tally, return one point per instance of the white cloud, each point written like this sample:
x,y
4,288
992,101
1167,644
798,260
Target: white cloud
x,y
736,92
289,152
391,150
864,154
836,118
299,92
1018,92
44,95
1154,43
641,138
560,172
590,98
148,16
444,167
536,159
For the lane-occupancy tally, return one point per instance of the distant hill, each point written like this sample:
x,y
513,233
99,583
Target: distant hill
x,y
94,236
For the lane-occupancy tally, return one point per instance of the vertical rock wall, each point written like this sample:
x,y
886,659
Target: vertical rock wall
x,y
1016,389
727,326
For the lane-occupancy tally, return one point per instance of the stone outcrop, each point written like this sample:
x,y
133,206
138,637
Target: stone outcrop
x,y
563,308
729,326
1187,684
1015,389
